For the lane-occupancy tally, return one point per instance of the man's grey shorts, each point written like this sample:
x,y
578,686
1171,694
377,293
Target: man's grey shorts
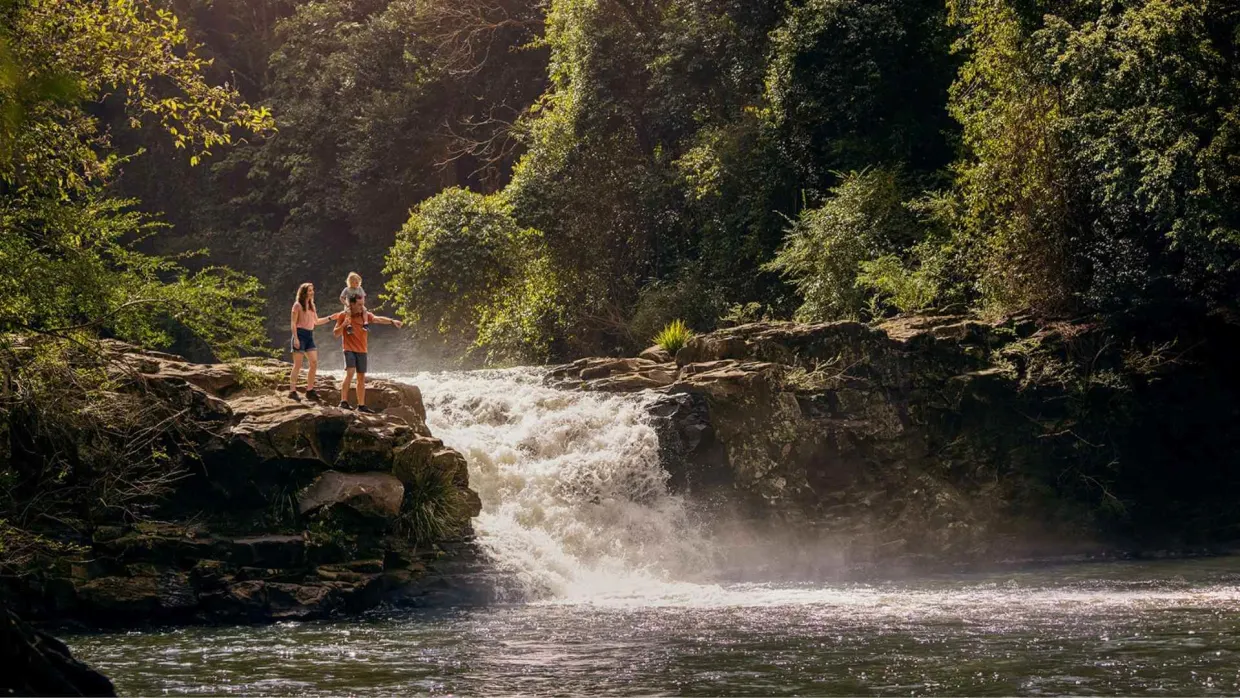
x,y
355,359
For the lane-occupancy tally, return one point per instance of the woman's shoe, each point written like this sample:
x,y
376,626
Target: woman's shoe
x,y
312,394
344,405
293,395
367,410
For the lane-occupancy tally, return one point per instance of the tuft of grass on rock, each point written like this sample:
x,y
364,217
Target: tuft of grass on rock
x,y
434,507
674,336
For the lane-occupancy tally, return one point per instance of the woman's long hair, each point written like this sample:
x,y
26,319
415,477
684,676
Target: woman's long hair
x,y
303,293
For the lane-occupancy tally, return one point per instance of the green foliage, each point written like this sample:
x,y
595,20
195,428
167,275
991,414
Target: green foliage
x,y
1097,139
673,337
864,219
71,265
744,313
1078,155
380,105
690,300
856,83
527,319
463,275
251,379
906,289
56,51
69,255
434,507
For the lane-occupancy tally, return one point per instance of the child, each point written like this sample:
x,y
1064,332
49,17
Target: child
x,y
353,289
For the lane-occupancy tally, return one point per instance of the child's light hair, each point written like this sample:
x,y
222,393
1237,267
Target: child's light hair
x,y
354,276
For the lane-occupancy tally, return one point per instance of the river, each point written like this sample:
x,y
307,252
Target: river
x,y
609,586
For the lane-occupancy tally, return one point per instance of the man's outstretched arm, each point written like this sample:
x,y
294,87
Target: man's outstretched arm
x,y
379,319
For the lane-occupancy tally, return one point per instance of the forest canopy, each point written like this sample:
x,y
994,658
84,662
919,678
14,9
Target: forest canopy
x,y
538,179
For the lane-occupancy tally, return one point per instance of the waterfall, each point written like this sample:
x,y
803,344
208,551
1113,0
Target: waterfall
x,y
575,504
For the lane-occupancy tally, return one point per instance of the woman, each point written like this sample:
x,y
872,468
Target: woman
x,y
302,321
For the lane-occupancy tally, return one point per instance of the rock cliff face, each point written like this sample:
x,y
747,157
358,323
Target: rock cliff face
x,y
281,509
942,438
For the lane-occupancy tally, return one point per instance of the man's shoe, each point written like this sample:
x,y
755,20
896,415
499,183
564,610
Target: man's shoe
x,y
293,395
344,405
312,394
367,410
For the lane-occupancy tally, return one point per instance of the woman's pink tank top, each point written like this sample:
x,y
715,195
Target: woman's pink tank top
x,y
305,318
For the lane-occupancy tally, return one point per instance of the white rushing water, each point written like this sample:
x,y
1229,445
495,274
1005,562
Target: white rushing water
x,y
576,509
575,505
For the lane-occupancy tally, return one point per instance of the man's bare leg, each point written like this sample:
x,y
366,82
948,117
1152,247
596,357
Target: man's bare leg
x,y
344,390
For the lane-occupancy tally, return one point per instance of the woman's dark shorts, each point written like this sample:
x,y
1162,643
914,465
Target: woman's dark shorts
x,y
306,339
355,359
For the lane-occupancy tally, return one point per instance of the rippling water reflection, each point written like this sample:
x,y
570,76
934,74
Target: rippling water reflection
x,y
1169,628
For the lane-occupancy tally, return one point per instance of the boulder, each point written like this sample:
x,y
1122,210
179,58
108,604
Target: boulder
x,y
372,495
37,664
657,354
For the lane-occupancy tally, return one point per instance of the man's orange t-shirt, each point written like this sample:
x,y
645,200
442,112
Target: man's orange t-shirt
x,y
356,341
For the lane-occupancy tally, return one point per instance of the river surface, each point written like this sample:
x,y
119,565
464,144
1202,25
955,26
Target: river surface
x,y
609,588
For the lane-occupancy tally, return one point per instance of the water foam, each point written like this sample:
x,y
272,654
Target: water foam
x,y
575,504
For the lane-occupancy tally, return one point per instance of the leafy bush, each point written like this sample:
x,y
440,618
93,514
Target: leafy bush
x,y
745,313
864,219
673,337
906,289
69,255
466,276
1095,140
689,299
523,321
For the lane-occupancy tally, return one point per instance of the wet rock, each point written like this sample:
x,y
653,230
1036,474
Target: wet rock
x,y
374,495
271,551
114,598
37,664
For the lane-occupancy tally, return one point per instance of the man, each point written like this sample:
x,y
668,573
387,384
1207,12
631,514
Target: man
x,y
354,344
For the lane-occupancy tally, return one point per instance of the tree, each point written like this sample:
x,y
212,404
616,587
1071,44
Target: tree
x,y
466,277
826,250
68,249
1098,139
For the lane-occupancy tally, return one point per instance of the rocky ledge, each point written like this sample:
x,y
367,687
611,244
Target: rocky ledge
x,y
946,438
274,509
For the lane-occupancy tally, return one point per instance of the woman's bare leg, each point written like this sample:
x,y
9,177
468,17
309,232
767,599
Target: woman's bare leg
x,y
313,356
296,373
